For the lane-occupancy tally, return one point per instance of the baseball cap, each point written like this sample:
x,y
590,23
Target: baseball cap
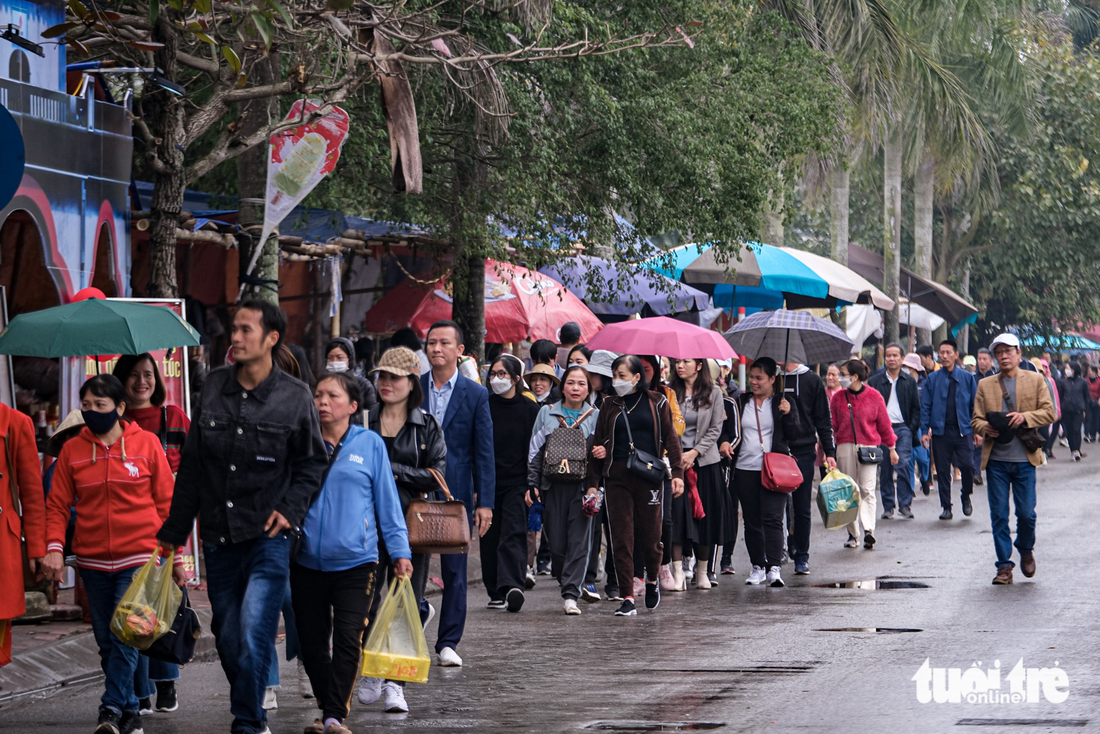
x,y
970,361
1007,339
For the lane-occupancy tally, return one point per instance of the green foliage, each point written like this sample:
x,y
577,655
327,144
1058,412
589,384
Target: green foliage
x,y
677,139
1042,263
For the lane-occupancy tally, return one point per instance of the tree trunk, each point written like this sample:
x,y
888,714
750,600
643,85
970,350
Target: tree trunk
x,y
772,233
163,114
923,186
252,188
964,332
468,308
840,184
891,224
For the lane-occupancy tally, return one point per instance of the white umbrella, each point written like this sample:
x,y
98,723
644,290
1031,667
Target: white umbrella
x,y
844,283
917,316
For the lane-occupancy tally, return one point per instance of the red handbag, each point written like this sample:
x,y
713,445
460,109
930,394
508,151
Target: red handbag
x,y
780,472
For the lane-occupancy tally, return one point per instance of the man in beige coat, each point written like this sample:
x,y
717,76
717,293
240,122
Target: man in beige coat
x,y
1006,403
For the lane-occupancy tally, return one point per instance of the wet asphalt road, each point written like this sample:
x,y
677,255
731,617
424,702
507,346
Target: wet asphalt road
x,y
747,659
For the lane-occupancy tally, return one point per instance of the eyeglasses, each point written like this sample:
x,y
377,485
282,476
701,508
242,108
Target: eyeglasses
x,y
500,373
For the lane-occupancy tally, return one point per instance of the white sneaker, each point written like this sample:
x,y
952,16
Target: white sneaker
x,y
774,578
756,577
571,607
370,690
689,567
431,616
304,686
270,701
448,658
395,698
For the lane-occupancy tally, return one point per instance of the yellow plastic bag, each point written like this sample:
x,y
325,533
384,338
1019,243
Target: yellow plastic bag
x,y
396,648
149,606
838,500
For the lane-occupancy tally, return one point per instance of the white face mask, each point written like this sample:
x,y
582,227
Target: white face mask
x,y
845,382
1069,372
341,366
542,398
622,387
500,385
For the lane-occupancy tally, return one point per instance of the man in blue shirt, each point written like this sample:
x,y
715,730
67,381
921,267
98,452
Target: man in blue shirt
x,y
462,408
946,407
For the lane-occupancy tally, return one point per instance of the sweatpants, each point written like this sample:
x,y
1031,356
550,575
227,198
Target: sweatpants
x,y
634,508
504,546
600,529
567,531
332,603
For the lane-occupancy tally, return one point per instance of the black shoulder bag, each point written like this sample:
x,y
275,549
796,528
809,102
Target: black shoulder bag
x,y
864,454
645,465
1029,437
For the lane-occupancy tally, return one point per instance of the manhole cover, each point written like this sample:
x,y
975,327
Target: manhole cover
x,y
879,630
872,584
656,725
1022,722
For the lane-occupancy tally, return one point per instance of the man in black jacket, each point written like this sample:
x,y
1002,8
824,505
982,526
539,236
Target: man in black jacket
x,y
253,461
805,387
899,390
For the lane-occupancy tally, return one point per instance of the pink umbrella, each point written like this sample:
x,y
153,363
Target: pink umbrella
x,y
662,337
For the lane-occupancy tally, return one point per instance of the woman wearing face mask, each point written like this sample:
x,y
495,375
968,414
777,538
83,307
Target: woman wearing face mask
x,y
145,405
701,405
634,503
768,422
564,520
1074,392
544,384
414,442
119,480
340,357
855,408
504,546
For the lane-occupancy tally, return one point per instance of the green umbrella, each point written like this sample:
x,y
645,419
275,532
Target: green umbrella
x,y
96,327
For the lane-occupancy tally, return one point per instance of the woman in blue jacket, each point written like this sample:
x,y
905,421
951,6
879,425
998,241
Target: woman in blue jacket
x,y
333,577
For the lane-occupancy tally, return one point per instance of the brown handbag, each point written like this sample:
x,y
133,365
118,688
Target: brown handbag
x,y
438,527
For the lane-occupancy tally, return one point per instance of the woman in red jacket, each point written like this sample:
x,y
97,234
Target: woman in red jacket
x,y
860,419
18,463
119,479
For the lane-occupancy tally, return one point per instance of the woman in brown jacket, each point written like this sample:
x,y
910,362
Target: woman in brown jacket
x,y
636,420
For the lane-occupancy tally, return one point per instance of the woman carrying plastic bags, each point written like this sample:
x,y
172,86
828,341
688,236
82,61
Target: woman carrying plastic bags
x,y
125,490
333,577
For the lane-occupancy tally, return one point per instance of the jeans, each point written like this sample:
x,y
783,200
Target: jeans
x,y
293,647
118,660
336,604
887,470
803,516
452,613
247,587
1001,476
150,672
953,450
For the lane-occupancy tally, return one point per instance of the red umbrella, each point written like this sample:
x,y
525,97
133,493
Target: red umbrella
x,y
519,304
662,337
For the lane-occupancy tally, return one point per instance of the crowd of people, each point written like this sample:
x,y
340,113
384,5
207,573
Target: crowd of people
x,y
301,497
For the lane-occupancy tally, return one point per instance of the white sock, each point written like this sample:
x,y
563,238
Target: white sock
x,y
330,722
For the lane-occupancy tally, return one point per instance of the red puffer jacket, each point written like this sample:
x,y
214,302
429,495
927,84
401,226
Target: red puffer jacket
x,y
122,494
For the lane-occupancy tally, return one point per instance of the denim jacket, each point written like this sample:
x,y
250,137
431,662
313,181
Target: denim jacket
x,y
933,400
248,452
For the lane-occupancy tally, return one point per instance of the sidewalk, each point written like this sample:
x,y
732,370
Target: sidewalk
x,y
53,655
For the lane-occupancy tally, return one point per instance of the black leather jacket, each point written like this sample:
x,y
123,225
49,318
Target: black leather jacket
x,y
419,446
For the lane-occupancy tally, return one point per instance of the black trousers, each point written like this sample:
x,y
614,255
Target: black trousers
x,y
1092,419
600,523
332,603
953,450
504,546
1071,424
803,516
763,511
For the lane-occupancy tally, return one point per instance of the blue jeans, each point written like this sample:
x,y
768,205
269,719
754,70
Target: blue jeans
x,y
1019,476
150,672
886,471
292,646
247,585
118,660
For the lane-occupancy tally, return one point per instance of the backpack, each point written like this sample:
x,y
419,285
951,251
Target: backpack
x,y
565,457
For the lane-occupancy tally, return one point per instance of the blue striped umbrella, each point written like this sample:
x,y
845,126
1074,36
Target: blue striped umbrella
x,y
796,336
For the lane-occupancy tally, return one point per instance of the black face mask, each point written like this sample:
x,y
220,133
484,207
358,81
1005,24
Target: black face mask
x,y
100,423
